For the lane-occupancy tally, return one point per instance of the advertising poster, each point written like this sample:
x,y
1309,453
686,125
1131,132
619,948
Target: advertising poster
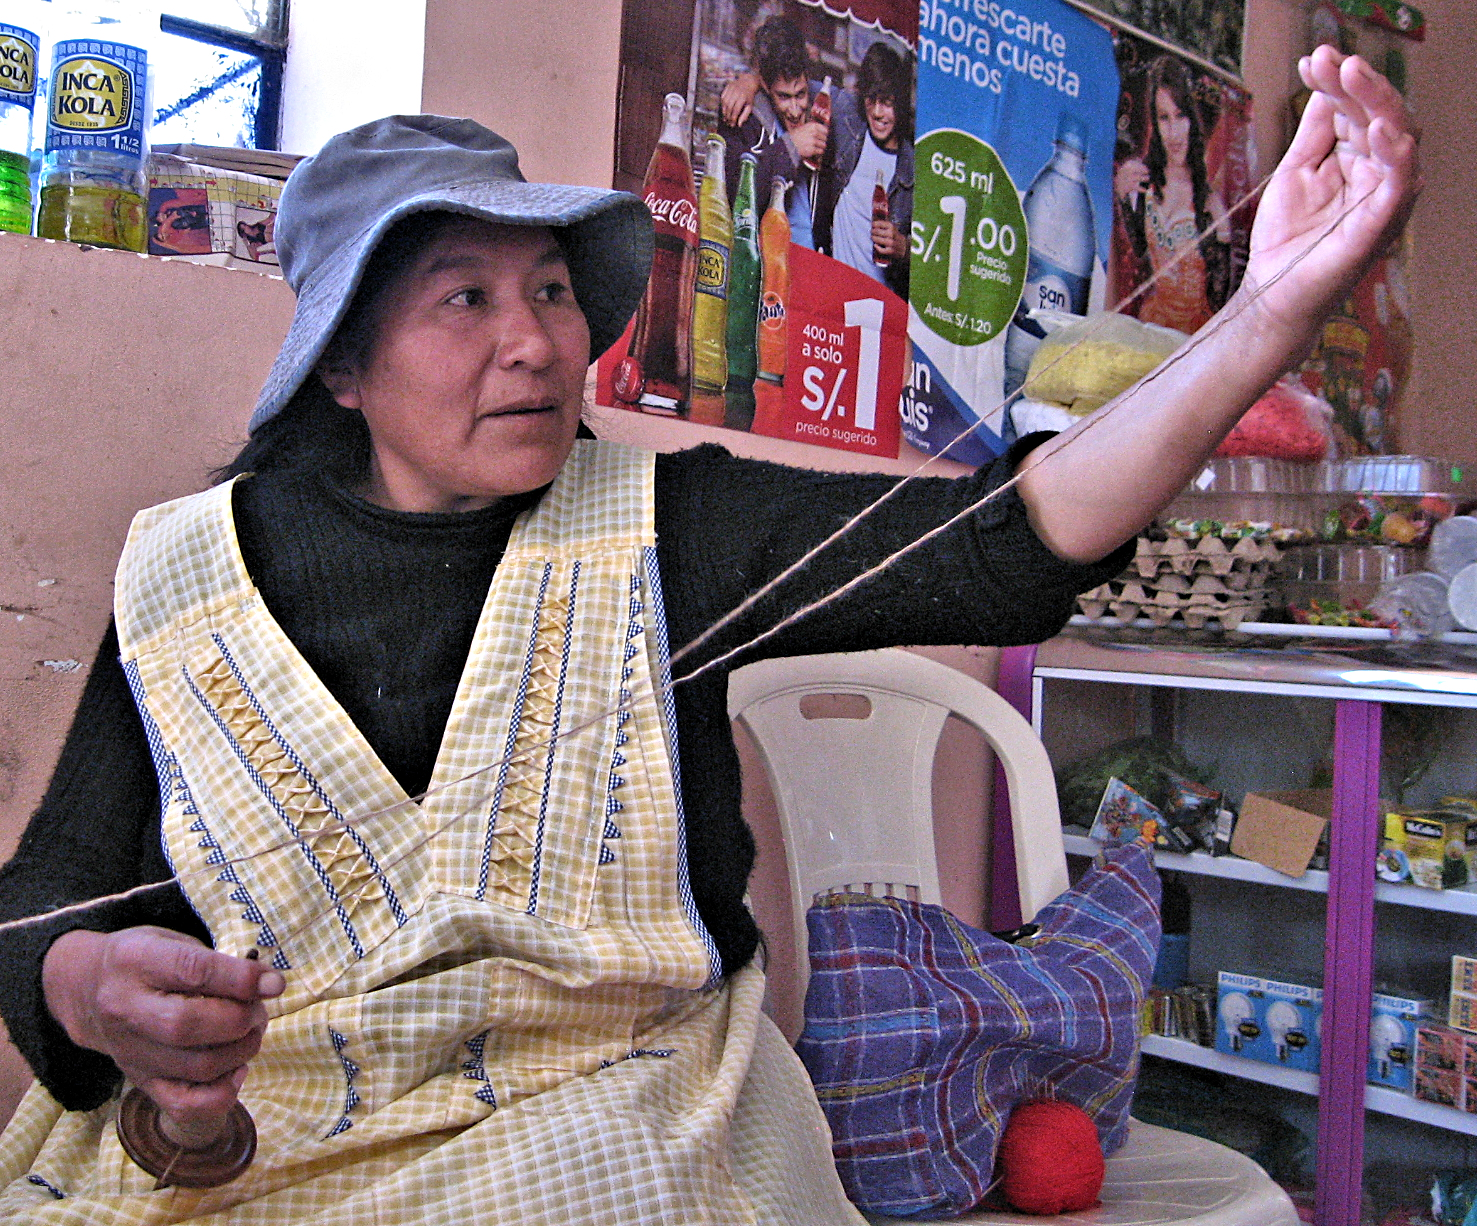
x,y
1210,29
781,182
1184,156
1013,216
1362,361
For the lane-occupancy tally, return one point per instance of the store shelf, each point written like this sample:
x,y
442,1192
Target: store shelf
x,y
1458,902
1433,674
1376,1098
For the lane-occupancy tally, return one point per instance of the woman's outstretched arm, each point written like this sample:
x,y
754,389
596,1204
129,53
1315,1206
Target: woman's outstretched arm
x,y
1339,197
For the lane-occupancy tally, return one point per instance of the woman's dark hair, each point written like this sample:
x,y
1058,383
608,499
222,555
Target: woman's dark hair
x,y
885,74
313,430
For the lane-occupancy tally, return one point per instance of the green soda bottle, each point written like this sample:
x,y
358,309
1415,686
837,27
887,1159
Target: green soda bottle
x,y
93,182
745,272
19,48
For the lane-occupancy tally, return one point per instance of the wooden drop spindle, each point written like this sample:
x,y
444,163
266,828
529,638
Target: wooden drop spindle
x,y
203,1154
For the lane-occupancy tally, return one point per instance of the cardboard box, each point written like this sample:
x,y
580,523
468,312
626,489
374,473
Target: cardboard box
x,y
1268,1020
1393,1024
1282,829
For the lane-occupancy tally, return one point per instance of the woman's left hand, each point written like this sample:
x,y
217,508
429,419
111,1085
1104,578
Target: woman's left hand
x,y
1339,197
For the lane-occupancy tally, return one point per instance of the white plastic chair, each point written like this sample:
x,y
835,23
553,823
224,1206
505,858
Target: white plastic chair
x,y
853,784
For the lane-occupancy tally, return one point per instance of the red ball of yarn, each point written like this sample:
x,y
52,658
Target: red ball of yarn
x,y
1050,1159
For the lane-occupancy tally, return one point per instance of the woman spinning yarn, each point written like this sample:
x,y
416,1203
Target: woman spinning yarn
x,y
1177,222
389,709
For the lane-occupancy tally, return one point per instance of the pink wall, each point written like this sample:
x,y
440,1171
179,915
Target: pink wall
x,y
126,380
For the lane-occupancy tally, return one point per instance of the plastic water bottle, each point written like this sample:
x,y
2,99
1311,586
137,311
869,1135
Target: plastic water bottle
x,y
19,55
1063,242
93,182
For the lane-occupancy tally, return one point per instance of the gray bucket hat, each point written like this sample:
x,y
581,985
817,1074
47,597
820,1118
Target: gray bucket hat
x,y
338,205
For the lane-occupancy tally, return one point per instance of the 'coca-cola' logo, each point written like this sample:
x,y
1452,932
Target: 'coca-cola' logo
x,y
679,214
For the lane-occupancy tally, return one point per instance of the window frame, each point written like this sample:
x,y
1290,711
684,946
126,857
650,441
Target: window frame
x,y
271,51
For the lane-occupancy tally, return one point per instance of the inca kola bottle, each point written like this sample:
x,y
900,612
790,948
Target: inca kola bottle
x,y
710,302
92,175
19,48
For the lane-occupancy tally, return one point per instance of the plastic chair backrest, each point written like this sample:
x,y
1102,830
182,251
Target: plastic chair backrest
x,y
852,776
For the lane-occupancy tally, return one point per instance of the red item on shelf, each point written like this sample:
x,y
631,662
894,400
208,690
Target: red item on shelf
x,y
1288,423
1050,1159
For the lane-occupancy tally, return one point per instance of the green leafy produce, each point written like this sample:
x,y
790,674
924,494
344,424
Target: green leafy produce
x,y
1142,762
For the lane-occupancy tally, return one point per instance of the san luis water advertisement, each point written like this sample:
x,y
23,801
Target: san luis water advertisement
x,y
1012,223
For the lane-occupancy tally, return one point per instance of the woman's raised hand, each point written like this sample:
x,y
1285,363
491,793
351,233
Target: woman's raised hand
x,y
1339,197
179,1019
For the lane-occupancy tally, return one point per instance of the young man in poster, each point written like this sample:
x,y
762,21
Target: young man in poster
x,y
768,111
871,144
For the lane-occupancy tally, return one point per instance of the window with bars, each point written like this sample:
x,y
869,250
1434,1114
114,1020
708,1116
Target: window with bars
x,y
218,73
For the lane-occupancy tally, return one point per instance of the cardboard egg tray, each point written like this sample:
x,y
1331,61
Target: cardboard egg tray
x,y
1193,582
1211,554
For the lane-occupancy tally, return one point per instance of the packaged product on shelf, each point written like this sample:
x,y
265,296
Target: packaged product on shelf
x,y
1427,847
212,215
1462,1009
1463,974
1185,1012
1268,1020
1287,423
1123,816
1445,1066
1393,1024
1083,365
1191,810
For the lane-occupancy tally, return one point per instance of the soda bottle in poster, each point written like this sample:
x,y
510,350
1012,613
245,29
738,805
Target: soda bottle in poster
x,y
744,271
774,246
820,112
710,302
1062,242
881,211
656,376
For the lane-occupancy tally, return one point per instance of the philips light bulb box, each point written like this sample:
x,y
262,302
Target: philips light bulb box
x,y
1393,1025
1268,1020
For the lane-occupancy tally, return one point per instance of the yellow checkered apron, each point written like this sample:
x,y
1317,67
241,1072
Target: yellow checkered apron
x,y
502,1005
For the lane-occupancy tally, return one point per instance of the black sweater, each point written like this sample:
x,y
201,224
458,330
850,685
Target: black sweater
x,y
383,606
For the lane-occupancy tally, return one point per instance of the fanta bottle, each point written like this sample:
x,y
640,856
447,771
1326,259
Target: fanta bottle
x,y
774,246
710,302
656,375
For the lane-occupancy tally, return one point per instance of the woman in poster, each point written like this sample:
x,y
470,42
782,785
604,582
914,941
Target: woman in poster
x,y
1166,199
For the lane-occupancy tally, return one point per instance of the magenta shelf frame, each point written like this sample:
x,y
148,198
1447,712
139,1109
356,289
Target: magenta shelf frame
x,y
1350,915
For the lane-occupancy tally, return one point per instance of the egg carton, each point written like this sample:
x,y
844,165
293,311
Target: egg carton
x,y
1130,600
1210,554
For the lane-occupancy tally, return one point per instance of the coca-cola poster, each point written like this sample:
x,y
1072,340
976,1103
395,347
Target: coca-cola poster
x,y
780,181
